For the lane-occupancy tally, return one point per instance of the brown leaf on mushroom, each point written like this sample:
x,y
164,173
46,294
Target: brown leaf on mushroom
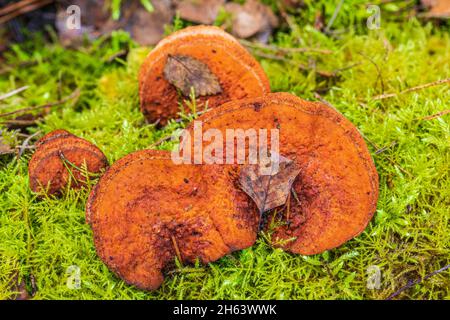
x,y
199,11
186,72
269,188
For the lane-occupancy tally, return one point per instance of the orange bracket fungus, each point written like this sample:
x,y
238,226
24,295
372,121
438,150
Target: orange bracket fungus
x,y
336,189
146,211
61,157
204,58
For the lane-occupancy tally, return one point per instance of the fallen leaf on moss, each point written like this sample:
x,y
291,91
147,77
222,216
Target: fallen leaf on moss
x,y
5,148
437,8
147,28
19,288
252,19
185,72
269,191
199,11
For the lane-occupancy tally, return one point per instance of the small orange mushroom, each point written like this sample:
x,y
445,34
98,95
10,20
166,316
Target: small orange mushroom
x,y
59,158
337,186
237,72
146,210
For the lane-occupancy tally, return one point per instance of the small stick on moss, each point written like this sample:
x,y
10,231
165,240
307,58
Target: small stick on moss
x,y
323,73
26,142
392,161
413,283
22,64
73,95
118,54
177,250
434,116
13,92
256,45
379,74
30,5
333,18
381,150
159,141
420,87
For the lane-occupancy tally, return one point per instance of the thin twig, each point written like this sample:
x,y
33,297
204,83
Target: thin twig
x,y
159,141
73,95
19,122
379,74
323,73
118,54
335,14
15,6
436,115
22,64
257,45
26,142
420,87
321,99
14,92
413,283
288,207
286,17
177,250
381,150
392,161
28,8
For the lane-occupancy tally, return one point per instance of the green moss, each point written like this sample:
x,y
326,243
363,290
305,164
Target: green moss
x,y
407,239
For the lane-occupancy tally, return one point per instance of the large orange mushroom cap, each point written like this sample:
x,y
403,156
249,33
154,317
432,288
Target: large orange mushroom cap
x,y
238,73
58,152
145,208
337,187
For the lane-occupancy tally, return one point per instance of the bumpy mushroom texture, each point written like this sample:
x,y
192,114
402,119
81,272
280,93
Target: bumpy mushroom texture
x,y
239,74
146,209
337,187
58,156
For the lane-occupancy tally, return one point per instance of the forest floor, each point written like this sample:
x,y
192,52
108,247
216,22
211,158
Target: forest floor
x,y
408,134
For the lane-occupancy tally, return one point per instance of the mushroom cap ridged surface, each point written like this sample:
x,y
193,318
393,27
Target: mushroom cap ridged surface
x,y
238,73
337,187
145,208
47,170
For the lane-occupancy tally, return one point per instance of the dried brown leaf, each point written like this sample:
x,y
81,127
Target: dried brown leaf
x,y
252,19
437,8
185,72
147,28
269,191
199,11
5,148
19,288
